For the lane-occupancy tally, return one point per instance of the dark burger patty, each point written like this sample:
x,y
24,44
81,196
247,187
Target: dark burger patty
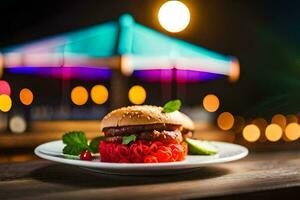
x,y
128,130
163,136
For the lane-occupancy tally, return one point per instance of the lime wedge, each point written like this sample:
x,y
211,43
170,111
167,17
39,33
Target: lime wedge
x,y
200,147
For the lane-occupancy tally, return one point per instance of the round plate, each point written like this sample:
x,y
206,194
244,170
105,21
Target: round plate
x,y
227,152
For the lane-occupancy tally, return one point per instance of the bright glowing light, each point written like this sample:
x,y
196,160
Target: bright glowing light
x,y
280,120
174,16
99,94
273,132
5,102
17,124
292,131
235,71
79,95
137,94
211,103
4,88
26,96
225,121
251,133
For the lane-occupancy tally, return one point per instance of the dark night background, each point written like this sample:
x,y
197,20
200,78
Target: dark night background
x,y
264,35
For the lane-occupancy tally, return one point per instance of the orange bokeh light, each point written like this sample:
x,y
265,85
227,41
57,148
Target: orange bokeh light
x,y
235,71
273,132
225,121
99,94
280,120
137,94
251,133
292,131
26,96
79,95
211,103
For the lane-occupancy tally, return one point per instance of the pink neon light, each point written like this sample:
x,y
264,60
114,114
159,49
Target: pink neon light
x,y
4,88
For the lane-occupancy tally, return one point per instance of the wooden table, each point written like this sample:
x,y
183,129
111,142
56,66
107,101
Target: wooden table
x,y
260,175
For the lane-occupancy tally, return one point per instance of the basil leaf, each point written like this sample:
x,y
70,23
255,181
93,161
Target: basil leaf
x,y
172,106
94,144
76,142
74,137
127,139
74,150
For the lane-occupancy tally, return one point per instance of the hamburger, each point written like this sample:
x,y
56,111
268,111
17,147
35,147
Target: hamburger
x,y
144,134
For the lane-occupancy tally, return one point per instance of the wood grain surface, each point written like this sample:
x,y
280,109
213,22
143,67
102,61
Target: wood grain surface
x,y
260,173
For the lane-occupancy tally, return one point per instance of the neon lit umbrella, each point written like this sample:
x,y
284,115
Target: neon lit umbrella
x,y
124,45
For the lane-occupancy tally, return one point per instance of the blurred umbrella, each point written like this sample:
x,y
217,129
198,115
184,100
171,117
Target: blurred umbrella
x,y
123,46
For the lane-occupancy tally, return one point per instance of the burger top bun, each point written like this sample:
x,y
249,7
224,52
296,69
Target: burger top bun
x,y
143,115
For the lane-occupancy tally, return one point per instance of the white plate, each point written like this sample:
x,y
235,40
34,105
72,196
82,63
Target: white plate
x,y
227,152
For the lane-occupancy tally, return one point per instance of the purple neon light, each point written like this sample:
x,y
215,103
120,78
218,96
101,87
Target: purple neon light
x,y
92,73
85,73
181,76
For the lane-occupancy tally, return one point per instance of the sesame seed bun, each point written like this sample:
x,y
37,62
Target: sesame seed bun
x,y
145,115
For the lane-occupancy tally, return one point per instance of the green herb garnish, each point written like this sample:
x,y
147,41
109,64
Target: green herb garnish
x,y
76,142
127,139
94,144
172,106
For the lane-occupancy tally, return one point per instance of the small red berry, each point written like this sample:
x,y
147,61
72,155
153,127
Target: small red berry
x,y
86,155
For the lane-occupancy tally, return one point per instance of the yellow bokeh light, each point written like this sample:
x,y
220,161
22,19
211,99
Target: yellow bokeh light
x,y
225,121
174,16
99,94
251,133
211,103
79,95
5,103
273,132
280,120
26,96
137,94
292,131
